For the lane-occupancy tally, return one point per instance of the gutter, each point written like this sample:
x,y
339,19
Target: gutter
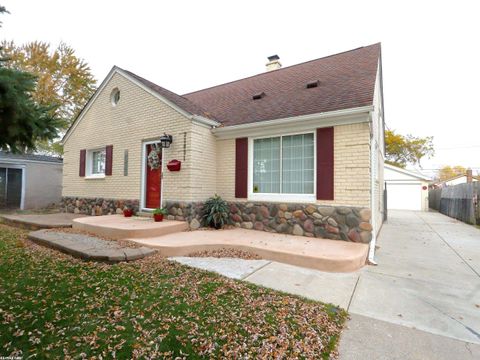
x,y
200,120
23,162
297,120
371,250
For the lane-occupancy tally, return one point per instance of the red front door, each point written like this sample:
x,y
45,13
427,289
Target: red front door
x,y
153,184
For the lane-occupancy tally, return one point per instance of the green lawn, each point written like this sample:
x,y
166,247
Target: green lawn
x,y
54,306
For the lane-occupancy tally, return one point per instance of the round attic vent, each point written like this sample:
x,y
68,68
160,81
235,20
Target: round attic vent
x,y
115,96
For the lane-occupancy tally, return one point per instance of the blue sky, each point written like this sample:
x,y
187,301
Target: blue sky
x,y
430,50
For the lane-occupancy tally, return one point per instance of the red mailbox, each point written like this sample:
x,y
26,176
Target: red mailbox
x,y
174,165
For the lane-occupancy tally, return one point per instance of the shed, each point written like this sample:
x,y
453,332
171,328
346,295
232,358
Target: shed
x,y
29,181
406,190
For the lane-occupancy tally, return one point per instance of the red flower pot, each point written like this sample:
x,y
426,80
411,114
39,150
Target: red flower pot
x,y
158,217
128,212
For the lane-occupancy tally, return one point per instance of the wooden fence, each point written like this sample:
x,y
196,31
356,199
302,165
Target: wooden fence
x,y
459,201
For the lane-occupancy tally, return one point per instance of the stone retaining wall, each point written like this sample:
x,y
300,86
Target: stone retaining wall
x,y
330,222
97,206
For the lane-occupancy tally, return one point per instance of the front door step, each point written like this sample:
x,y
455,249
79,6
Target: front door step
x,y
120,227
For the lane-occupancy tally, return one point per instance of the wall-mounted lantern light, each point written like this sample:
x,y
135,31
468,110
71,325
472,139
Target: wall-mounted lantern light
x,y
166,140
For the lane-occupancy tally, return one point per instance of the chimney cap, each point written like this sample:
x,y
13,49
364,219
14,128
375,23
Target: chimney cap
x,y
273,58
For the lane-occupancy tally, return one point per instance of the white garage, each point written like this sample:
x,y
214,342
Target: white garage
x,y
406,190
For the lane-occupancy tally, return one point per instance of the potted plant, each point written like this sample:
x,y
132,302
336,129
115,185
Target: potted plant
x,y
127,212
158,214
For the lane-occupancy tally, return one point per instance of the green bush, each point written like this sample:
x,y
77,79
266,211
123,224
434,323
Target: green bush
x,y
160,211
215,212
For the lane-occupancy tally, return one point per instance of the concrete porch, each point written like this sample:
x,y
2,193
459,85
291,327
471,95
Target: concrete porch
x,y
171,238
315,253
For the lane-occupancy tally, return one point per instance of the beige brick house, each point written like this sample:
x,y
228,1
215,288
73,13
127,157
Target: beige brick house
x,y
300,145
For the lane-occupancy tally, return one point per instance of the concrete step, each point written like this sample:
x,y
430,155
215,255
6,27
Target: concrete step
x,y
320,254
146,214
120,227
40,221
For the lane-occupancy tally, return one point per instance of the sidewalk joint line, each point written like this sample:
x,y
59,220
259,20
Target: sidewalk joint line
x,y
256,270
353,293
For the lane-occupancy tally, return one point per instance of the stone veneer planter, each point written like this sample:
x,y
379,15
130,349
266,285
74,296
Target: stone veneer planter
x,y
97,206
330,222
311,220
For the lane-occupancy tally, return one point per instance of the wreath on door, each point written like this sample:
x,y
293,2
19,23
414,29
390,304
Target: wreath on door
x,y
153,159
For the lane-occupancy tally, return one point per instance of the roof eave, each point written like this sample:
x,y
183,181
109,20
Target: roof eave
x,y
407,172
298,123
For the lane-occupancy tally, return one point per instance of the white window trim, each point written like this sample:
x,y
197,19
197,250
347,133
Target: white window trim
x,y
89,163
279,197
143,190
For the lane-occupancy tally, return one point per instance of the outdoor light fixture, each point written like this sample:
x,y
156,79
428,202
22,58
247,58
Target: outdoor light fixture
x,y
166,140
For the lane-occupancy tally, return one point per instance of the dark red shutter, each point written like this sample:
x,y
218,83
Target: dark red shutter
x,y
83,155
241,167
325,164
108,160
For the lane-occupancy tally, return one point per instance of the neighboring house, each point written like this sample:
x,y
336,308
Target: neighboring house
x,y
288,139
406,190
459,179
29,181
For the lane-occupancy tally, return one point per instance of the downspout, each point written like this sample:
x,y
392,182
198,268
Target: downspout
x,y
371,251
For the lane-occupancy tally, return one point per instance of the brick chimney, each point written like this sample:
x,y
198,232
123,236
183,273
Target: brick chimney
x,y
469,176
273,63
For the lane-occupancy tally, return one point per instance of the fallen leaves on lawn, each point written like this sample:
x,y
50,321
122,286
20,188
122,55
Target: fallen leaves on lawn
x,y
55,306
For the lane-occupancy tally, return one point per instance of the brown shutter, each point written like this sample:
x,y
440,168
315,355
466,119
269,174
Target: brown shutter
x,y
241,167
108,159
325,164
83,155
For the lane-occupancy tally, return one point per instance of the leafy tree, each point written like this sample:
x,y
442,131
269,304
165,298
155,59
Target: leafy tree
x,y
448,172
23,122
407,149
65,82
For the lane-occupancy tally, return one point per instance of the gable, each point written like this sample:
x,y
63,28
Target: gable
x,y
137,109
168,98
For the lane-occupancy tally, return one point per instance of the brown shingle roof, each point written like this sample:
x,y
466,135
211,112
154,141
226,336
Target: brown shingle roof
x,y
178,100
347,80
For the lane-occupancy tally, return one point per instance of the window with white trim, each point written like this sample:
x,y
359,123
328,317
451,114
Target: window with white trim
x,y
96,160
284,164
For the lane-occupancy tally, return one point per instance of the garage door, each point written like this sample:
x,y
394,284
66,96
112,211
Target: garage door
x,y
404,196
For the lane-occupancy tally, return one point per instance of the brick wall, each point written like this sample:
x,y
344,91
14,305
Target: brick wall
x,y
204,163
138,116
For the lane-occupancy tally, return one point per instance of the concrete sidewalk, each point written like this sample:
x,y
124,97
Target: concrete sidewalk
x,y
426,286
40,221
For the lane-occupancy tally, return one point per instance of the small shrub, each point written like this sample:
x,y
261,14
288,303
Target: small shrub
x,y
160,211
215,212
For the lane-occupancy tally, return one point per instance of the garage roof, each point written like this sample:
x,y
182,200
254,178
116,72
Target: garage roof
x,y
411,173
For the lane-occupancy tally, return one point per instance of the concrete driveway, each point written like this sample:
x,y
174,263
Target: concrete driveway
x,y
422,301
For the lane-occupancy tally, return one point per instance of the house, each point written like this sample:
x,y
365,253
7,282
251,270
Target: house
x,y
298,149
29,181
468,177
406,190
